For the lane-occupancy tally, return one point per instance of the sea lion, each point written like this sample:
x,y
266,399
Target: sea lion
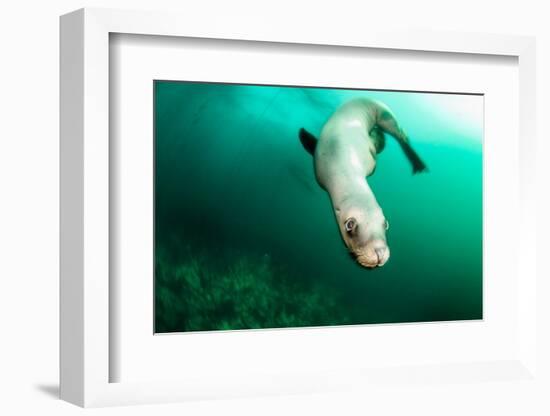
x,y
344,156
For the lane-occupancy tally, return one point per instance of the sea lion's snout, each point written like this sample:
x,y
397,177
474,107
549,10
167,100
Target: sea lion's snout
x,y
364,233
375,254
383,254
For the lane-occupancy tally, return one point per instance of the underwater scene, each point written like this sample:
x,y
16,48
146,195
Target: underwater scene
x,y
283,206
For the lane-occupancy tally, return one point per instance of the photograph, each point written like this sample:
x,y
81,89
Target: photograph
x,y
280,206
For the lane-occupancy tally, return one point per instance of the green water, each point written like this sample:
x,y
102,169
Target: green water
x,y
245,237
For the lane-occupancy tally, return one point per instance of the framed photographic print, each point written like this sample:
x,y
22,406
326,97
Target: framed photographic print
x,y
265,214
247,237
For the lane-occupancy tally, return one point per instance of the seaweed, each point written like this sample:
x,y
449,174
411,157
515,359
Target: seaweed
x,y
247,292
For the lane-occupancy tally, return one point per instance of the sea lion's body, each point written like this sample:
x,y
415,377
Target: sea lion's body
x,y
345,147
344,156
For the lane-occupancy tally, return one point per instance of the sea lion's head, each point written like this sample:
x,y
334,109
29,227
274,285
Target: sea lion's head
x,y
364,233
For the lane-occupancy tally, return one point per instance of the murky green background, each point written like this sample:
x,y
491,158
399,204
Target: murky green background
x,y
245,238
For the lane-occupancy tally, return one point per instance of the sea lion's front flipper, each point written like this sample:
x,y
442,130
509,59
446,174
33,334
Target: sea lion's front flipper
x,y
309,141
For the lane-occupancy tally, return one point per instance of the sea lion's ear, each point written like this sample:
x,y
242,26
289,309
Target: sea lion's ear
x,y
309,141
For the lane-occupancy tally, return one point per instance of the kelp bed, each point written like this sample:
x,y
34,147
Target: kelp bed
x,y
249,291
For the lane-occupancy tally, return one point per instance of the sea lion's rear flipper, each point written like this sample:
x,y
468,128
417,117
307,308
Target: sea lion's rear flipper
x,y
387,122
309,141
417,164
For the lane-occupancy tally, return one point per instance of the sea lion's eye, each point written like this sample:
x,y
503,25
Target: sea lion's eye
x,y
386,225
350,225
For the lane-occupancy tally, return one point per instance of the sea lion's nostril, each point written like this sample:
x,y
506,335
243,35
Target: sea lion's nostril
x,y
380,252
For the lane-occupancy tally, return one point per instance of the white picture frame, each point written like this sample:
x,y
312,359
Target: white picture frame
x,y
85,355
